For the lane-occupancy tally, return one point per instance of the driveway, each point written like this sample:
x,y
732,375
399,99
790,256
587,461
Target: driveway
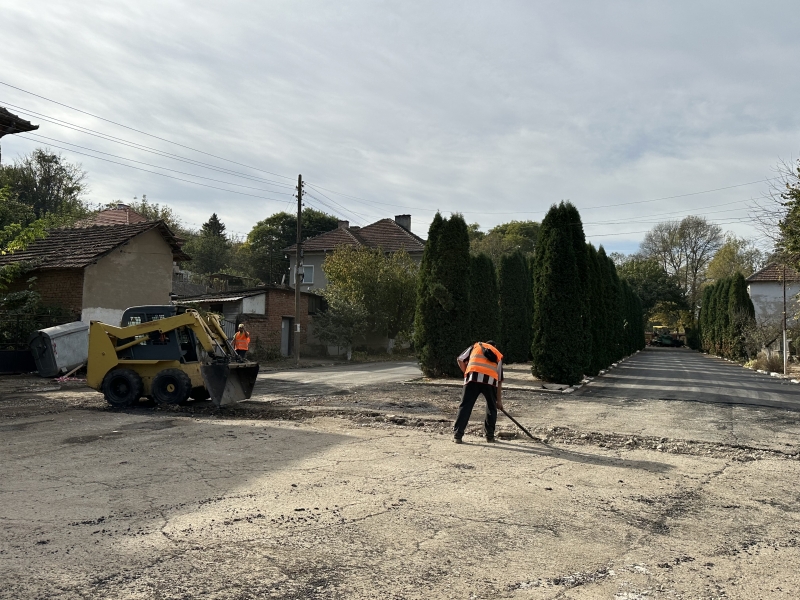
x,y
682,374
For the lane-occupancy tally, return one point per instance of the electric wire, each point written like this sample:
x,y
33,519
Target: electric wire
x,y
140,131
158,166
160,174
138,146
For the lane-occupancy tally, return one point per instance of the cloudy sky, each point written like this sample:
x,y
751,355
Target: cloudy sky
x,y
492,109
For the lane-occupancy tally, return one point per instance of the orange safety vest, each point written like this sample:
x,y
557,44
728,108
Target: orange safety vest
x,y
241,341
480,364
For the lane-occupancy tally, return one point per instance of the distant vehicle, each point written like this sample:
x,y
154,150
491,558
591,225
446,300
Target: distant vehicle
x,y
666,339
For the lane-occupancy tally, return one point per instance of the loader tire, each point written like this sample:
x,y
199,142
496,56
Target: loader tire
x,y
171,386
122,387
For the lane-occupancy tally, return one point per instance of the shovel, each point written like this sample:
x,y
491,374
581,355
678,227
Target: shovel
x,y
528,433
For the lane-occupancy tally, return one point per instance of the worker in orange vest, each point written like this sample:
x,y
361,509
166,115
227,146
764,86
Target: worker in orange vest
x,y
482,365
241,341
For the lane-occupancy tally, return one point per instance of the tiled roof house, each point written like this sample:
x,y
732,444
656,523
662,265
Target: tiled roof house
x,y
766,289
387,234
99,271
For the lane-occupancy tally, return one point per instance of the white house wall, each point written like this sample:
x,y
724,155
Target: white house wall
x,y
767,297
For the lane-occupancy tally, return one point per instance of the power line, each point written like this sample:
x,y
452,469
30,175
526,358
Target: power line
x,y
160,174
138,146
158,166
140,131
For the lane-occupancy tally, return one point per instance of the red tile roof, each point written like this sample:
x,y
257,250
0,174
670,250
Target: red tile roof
x,y
774,272
122,215
384,234
75,248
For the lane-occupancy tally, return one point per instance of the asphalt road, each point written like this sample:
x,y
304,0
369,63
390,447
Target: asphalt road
x,y
334,379
682,374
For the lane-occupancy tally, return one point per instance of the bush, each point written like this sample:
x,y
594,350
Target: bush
x,y
772,362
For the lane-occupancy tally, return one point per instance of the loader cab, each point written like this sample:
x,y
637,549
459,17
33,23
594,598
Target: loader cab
x,y
177,344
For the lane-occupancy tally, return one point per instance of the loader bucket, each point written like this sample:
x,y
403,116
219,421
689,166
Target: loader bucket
x,y
229,383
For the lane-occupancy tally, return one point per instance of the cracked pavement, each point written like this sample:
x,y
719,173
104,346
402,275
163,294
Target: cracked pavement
x,y
346,489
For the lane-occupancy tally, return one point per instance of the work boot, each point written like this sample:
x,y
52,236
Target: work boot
x,y
490,439
457,440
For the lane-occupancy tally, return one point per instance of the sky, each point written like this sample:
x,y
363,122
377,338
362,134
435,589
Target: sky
x,y
633,111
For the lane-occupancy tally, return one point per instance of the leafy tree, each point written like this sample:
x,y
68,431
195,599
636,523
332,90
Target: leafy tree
x,y
736,255
651,283
47,183
684,249
442,320
267,240
515,313
504,239
153,211
558,287
13,211
341,324
382,284
484,301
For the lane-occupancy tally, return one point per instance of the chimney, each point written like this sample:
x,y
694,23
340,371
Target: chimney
x,y
404,221
343,225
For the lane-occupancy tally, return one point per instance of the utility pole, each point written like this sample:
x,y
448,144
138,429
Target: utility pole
x,y
298,271
785,345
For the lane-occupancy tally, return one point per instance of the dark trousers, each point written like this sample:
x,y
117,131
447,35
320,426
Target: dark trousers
x,y
242,353
468,397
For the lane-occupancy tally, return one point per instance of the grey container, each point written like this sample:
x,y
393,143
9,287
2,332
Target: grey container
x,y
60,349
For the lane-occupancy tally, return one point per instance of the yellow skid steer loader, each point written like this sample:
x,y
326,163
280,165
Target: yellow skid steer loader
x,y
169,353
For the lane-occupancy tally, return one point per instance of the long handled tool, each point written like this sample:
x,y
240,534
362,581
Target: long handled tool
x,y
528,433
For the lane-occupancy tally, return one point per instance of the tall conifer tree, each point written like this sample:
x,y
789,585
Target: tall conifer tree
x,y
515,311
442,320
558,312
573,218
741,313
484,302
597,325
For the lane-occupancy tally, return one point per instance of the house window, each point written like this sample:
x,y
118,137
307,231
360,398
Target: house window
x,y
308,274
316,304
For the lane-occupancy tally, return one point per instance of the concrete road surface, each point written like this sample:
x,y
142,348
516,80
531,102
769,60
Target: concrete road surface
x,y
682,374
333,379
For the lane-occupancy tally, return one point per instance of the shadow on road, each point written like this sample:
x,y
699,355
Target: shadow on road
x,y
583,458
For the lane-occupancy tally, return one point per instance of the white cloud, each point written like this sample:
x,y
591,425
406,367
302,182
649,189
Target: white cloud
x,y
494,109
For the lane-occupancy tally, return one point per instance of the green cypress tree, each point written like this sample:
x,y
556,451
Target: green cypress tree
x,y
740,315
515,326
584,349
616,314
484,301
557,313
442,319
596,325
608,304
721,318
702,318
711,319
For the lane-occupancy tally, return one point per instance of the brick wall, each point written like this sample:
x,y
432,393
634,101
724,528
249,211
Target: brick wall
x,y
58,287
267,327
